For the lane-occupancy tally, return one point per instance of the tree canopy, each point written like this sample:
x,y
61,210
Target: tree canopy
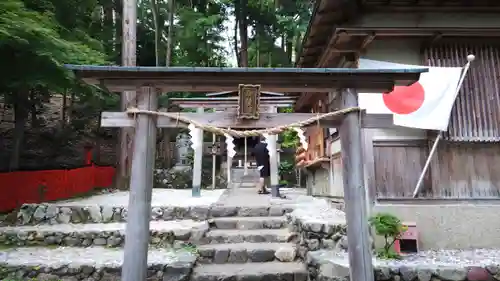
x,y
37,37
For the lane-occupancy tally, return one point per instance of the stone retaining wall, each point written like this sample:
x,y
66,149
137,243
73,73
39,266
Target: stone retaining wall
x,y
85,239
318,235
30,214
176,272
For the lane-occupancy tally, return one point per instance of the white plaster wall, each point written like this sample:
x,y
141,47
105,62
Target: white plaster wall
x,y
448,225
428,19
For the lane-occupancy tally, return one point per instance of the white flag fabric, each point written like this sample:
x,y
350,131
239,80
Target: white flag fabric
x,y
426,104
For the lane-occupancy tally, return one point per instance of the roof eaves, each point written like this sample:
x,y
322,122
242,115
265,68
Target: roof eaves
x,y
317,4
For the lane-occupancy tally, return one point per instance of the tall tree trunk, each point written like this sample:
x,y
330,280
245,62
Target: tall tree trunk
x,y
108,27
243,26
21,104
167,153
64,108
128,98
71,106
259,34
32,103
235,37
154,9
298,41
170,38
289,47
98,141
118,12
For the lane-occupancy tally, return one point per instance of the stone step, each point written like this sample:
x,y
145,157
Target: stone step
x,y
249,222
246,252
245,184
216,236
92,263
36,214
267,271
162,234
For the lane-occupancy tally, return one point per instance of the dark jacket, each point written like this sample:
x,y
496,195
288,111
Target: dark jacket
x,y
261,154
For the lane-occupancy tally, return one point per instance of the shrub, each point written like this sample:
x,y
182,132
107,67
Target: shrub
x,y
389,227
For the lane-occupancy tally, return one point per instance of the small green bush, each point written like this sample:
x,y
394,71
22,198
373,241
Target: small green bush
x,y
389,227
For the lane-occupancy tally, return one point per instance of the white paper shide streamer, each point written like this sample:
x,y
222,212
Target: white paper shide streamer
x,y
230,146
196,137
302,137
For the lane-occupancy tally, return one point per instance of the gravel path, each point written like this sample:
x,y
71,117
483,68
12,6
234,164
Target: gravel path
x,y
93,256
160,226
430,259
161,198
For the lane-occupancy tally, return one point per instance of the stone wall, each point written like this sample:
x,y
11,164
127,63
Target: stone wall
x,y
67,236
178,269
318,235
30,214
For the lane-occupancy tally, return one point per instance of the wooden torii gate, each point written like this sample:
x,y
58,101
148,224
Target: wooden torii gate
x,y
148,81
265,104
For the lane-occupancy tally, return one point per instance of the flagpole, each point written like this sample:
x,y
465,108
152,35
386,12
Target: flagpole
x,y
470,59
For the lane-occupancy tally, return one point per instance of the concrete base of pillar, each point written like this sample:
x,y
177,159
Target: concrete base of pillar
x,y
275,191
196,191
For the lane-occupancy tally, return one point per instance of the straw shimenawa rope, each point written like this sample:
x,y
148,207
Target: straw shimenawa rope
x,y
241,134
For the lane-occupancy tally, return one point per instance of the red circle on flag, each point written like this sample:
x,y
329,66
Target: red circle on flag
x,y
405,99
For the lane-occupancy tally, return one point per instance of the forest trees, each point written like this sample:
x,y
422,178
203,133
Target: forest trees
x,y
38,36
33,46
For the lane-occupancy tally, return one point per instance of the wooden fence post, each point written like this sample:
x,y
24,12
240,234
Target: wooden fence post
x,y
141,185
360,257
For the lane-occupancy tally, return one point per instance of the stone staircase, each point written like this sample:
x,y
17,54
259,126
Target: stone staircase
x,y
238,238
257,247
239,179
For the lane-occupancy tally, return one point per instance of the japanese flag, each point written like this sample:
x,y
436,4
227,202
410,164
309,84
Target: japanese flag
x,y
425,104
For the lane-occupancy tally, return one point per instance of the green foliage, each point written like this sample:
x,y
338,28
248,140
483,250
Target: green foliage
x,y
289,138
33,50
286,167
389,227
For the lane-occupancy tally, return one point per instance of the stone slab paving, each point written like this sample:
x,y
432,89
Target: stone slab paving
x,y
242,252
160,198
93,263
267,271
248,197
249,222
247,235
443,265
162,233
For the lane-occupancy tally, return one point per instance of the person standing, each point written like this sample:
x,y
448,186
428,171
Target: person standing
x,y
261,154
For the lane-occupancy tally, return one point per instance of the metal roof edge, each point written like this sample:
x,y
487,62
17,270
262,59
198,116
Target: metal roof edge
x,y
146,69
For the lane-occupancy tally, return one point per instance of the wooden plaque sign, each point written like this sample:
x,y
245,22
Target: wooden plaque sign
x,y
248,101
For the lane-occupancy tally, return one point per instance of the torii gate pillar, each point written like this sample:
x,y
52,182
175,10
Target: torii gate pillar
x,y
141,188
360,258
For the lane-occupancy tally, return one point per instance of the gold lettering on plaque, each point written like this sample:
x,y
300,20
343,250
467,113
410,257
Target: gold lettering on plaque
x,y
248,101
